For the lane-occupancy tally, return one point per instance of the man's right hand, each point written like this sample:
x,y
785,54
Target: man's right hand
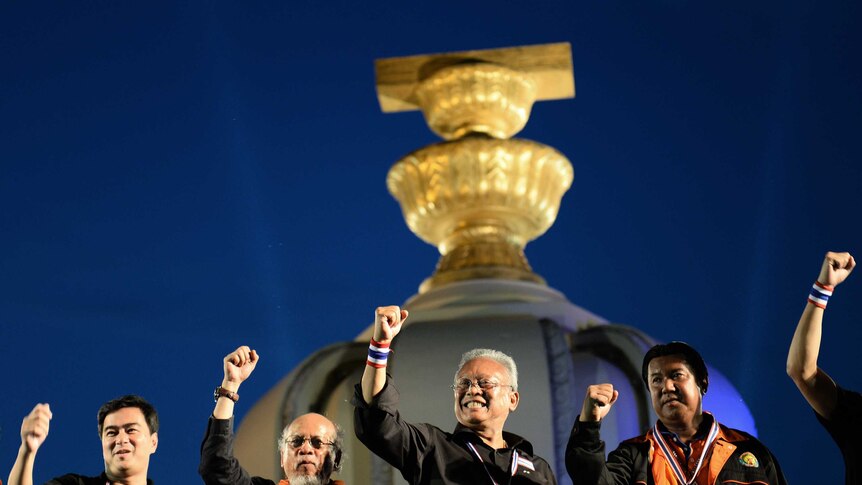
x,y
387,323
836,268
34,428
238,365
598,401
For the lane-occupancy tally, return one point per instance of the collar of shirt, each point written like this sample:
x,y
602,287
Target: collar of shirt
x,y
697,441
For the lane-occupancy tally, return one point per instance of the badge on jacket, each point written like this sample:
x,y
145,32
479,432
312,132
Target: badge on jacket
x,y
748,459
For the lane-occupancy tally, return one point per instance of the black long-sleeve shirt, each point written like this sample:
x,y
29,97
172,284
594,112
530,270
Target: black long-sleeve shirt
x,y
426,455
218,465
845,426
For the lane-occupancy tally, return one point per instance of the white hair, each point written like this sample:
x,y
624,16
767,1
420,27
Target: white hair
x,y
503,359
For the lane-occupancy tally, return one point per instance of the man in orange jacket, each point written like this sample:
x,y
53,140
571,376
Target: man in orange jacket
x,y
686,445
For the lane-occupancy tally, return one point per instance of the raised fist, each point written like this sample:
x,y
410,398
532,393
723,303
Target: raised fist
x,y
34,428
387,323
598,401
836,268
238,365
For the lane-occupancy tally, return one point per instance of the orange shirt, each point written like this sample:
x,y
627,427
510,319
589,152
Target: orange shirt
x,y
716,457
690,462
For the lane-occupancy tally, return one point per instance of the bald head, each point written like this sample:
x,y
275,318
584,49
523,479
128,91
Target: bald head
x,y
310,448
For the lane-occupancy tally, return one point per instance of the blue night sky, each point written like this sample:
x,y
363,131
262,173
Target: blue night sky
x,y
180,178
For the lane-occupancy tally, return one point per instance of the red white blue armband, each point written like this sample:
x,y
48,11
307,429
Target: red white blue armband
x,y
378,354
820,294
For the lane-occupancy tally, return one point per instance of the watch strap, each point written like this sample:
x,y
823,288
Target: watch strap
x,y
222,392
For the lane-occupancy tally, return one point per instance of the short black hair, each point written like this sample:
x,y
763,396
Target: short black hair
x,y
130,401
691,357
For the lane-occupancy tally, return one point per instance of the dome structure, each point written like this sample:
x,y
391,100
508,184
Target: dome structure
x,y
560,349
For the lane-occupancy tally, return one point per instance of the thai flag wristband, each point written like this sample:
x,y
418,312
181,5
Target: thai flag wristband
x,y
820,294
378,354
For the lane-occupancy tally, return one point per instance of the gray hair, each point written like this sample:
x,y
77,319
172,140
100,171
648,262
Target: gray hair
x,y
338,454
501,358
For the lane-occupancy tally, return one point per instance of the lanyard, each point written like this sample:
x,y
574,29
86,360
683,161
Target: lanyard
x,y
671,457
513,467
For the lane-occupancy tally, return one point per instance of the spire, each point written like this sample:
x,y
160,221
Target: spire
x,y
479,196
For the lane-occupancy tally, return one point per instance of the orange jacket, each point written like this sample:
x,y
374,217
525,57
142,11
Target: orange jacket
x,y
736,458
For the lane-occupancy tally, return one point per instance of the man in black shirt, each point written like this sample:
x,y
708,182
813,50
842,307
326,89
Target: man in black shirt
x,y
310,446
478,451
837,409
128,428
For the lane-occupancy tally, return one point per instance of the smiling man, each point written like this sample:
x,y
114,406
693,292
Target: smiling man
x,y
485,391
310,446
686,445
128,428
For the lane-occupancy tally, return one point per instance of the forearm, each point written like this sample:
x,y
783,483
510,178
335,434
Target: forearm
x,y
586,467
585,453
805,347
22,471
218,465
387,324
374,375
373,381
379,426
814,384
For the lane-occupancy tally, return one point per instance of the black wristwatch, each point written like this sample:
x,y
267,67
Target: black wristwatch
x,y
222,392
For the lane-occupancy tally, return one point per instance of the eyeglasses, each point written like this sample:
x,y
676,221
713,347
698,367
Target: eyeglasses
x,y
462,385
314,441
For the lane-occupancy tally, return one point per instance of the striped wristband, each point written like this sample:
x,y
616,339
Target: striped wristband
x,y
820,294
378,354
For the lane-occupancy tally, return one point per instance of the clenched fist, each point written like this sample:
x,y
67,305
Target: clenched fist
x,y
238,365
598,401
836,268
34,428
387,323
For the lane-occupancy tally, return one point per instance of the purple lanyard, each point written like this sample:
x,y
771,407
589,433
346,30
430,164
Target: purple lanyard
x,y
513,467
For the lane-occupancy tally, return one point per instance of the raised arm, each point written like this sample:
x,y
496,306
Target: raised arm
x,y
218,465
814,384
387,324
238,365
585,451
34,431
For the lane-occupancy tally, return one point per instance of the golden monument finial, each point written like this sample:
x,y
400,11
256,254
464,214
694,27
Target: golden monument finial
x,y
480,196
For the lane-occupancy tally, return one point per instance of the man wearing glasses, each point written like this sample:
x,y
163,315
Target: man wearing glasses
x,y
478,451
310,446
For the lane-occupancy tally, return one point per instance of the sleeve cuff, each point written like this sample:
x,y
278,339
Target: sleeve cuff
x,y
586,430
222,427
